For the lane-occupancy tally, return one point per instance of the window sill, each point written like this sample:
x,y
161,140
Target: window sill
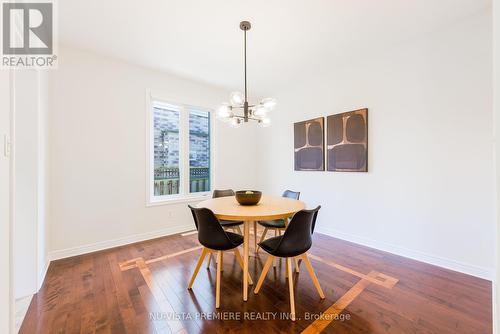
x,y
178,200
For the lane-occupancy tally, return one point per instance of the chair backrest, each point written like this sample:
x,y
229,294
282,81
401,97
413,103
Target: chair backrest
x,y
223,193
297,237
291,194
314,220
210,232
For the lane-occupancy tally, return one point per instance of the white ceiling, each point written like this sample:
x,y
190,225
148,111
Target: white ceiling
x,y
288,39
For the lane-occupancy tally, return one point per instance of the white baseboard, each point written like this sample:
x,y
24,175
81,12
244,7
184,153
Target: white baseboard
x,y
41,275
469,269
485,273
21,306
89,248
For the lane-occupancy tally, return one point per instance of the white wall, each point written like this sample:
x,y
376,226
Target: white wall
x,y
30,225
25,180
97,154
429,192
42,230
5,295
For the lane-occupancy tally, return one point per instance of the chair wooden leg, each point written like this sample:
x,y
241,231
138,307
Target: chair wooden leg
x,y
204,252
217,283
313,275
209,260
237,254
262,237
239,230
290,287
222,262
267,265
297,264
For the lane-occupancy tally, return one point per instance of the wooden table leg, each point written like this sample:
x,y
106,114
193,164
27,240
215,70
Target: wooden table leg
x,y
246,241
255,236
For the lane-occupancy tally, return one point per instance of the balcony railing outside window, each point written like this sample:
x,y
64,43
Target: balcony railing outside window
x,y
199,179
167,180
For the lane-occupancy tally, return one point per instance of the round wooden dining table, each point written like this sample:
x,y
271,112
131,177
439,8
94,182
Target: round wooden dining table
x,y
269,208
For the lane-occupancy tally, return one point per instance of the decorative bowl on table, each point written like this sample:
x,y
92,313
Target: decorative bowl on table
x,y
248,197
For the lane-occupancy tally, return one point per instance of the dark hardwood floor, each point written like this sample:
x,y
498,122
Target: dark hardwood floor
x,y
141,288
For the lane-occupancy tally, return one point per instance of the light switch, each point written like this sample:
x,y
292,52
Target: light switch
x,y
6,146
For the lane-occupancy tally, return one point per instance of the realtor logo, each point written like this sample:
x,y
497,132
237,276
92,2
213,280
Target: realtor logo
x,y
28,34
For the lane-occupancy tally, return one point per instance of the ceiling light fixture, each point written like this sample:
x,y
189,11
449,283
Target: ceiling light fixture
x,y
231,112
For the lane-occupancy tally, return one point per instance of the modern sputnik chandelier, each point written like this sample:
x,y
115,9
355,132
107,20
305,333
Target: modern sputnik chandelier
x,y
232,111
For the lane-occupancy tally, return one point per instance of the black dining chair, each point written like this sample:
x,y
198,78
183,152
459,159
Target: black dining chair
x,y
293,244
233,224
214,240
277,224
226,224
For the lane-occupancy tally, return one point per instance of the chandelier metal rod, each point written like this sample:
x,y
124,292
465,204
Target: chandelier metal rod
x,y
245,47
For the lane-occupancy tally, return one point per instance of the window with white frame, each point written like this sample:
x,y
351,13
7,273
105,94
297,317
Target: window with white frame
x,y
181,151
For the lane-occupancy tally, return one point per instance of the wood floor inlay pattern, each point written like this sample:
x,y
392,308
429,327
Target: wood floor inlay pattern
x,y
142,288
327,317
333,311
